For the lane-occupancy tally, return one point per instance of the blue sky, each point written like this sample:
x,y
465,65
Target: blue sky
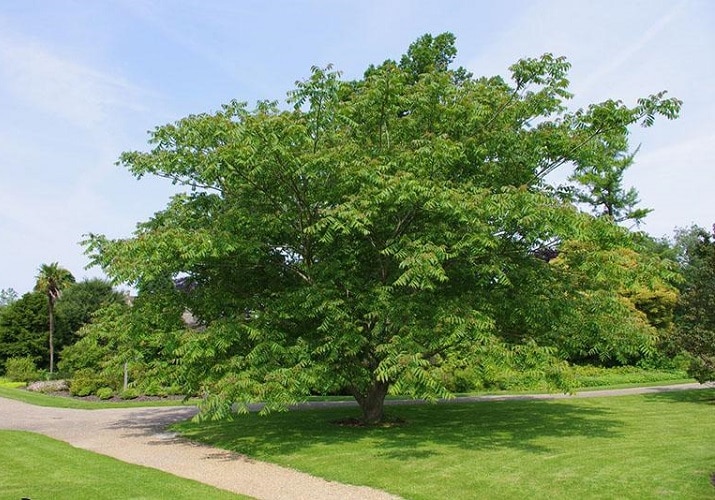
x,y
81,81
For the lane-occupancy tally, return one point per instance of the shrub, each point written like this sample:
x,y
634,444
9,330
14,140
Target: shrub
x,y
21,369
105,393
85,382
130,393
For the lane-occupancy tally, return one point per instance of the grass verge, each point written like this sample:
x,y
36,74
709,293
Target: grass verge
x,y
35,466
630,447
13,390
586,377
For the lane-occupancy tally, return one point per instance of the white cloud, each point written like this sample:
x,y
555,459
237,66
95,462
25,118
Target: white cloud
x,y
77,93
625,55
677,181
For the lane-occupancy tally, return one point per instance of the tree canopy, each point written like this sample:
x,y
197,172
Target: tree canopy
x,y
23,329
79,302
696,310
371,230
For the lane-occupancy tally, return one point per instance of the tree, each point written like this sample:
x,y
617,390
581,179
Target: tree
x,y
7,297
77,305
600,185
124,343
695,317
23,329
51,280
375,230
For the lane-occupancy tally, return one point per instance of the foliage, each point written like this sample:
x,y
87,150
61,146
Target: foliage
x,y
12,390
521,376
500,449
499,367
79,302
21,369
24,325
23,329
121,337
129,394
380,227
596,376
600,186
85,382
604,298
47,468
696,310
105,393
7,297
51,280
613,328
7,384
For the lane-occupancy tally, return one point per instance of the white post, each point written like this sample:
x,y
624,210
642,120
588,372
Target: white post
x,y
126,375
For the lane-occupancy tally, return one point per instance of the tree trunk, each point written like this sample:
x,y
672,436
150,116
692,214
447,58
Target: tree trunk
x,y
50,307
372,401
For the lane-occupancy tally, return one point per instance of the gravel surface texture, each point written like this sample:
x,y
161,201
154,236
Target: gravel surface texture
x,y
139,436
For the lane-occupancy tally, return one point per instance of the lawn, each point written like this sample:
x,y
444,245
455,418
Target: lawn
x,y
37,467
627,447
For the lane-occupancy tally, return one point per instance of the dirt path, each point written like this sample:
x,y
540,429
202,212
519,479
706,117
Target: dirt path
x,y
139,436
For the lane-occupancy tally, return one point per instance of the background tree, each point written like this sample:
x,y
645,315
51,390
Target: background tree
x,y
600,186
23,329
695,317
51,280
77,305
125,344
24,323
377,230
7,297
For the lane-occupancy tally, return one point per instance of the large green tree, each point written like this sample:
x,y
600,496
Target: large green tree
x,y
51,280
376,228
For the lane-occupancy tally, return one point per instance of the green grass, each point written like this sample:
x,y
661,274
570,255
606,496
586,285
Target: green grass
x,y
13,390
10,384
37,467
627,447
586,377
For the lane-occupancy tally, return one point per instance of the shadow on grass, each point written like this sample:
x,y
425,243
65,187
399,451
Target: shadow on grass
x,y
698,396
429,429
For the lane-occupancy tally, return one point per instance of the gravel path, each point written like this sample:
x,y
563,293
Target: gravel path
x,y
139,436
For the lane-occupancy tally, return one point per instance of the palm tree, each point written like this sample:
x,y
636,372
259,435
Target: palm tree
x,y
51,280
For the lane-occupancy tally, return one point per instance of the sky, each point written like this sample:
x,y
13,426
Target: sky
x,y
82,81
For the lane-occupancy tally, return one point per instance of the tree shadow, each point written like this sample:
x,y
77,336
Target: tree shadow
x,y
500,424
705,396
153,421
